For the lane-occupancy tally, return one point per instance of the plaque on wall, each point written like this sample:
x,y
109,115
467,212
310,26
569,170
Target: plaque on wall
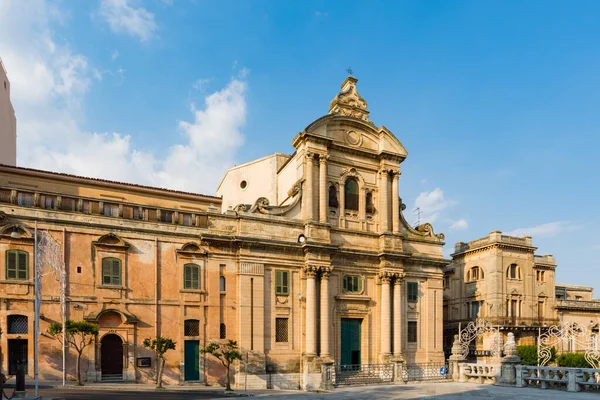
x,y
144,362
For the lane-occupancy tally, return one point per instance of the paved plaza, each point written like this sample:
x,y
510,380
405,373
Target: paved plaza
x,y
445,391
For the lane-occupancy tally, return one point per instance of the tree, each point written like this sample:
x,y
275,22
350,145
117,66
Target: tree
x,y
529,355
160,345
79,334
227,353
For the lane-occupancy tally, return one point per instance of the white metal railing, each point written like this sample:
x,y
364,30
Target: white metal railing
x,y
572,378
478,372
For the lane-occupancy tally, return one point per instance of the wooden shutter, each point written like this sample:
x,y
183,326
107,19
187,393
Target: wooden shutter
x,y
278,280
22,267
11,265
359,284
285,282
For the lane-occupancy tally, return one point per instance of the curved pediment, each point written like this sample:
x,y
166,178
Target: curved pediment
x,y
111,240
356,134
13,228
191,248
126,317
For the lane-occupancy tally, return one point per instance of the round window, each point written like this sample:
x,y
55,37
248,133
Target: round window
x,y
243,184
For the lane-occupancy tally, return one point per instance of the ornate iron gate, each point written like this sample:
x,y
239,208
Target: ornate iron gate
x,y
425,372
364,374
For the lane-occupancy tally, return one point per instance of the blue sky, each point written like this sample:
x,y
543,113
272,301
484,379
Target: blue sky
x,y
496,101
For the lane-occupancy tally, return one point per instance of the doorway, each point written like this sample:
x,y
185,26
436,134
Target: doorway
x,y
17,353
192,360
350,341
111,356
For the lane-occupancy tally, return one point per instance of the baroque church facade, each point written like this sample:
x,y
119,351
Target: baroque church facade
x,y
303,259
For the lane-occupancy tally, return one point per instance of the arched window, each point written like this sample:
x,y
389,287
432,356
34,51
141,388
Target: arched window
x,y
191,276
513,272
475,274
333,198
17,265
351,194
111,271
369,202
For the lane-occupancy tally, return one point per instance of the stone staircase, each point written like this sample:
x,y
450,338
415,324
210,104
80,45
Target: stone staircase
x,y
112,377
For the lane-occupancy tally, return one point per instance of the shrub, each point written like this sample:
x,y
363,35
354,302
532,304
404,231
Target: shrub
x,y
573,360
529,355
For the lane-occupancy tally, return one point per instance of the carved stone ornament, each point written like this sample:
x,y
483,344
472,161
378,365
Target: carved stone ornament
x,y
262,204
326,271
348,102
311,271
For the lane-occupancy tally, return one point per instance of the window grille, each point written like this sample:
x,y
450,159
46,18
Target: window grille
x,y
222,331
191,276
17,324
191,327
282,282
412,332
281,330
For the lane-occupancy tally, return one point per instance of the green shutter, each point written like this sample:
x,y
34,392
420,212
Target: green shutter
x,y
22,267
11,265
285,289
346,283
358,284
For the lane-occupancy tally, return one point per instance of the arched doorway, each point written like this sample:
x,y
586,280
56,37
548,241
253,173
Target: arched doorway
x,y
112,357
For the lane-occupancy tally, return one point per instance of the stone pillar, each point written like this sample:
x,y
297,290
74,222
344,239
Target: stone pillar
x,y
398,317
311,311
508,371
323,188
385,316
455,358
325,352
395,202
384,182
309,187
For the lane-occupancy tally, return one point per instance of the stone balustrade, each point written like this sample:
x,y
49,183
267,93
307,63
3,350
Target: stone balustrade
x,y
572,378
478,373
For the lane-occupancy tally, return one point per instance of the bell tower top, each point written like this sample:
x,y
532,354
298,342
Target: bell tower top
x,y
348,102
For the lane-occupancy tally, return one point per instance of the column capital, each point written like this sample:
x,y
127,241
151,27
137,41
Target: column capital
x,y
309,155
384,172
399,277
311,271
386,277
323,158
326,271
396,173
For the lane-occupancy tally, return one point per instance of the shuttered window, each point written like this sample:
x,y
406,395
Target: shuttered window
x,y
412,292
282,282
352,284
191,276
111,271
17,265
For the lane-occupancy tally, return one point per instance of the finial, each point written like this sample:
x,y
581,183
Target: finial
x,y
349,71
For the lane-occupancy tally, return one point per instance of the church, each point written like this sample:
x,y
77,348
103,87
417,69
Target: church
x,y
303,259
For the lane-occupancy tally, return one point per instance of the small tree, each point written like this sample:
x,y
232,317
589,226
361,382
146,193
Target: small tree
x,y
160,346
79,334
227,353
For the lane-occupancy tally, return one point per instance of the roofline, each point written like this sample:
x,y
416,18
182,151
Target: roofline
x,y
249,163
99,181
579,287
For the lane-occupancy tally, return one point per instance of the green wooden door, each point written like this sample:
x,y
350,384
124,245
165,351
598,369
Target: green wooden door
x,y
351,341
192,360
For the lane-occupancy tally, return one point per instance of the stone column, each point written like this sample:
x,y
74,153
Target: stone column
x,y
398,317
309,187
325,352
311,311
385,316
384,182
395,202
323,187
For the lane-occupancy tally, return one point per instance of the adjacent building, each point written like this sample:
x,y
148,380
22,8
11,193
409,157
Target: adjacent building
x,y
303,259
8,122
500,279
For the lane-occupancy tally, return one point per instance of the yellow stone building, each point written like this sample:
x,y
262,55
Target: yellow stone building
x,y
500,279
302,259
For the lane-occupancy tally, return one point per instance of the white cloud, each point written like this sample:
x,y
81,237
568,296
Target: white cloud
x,y
459,225
114,55
123,17
430,205
50,117
550,229
201,84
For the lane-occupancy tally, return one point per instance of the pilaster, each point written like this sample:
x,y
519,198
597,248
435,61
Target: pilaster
x,y
323,187
309,212
395,202
384,200
325,310
386,350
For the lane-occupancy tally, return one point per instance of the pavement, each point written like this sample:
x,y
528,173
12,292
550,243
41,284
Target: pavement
x,y
443,391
